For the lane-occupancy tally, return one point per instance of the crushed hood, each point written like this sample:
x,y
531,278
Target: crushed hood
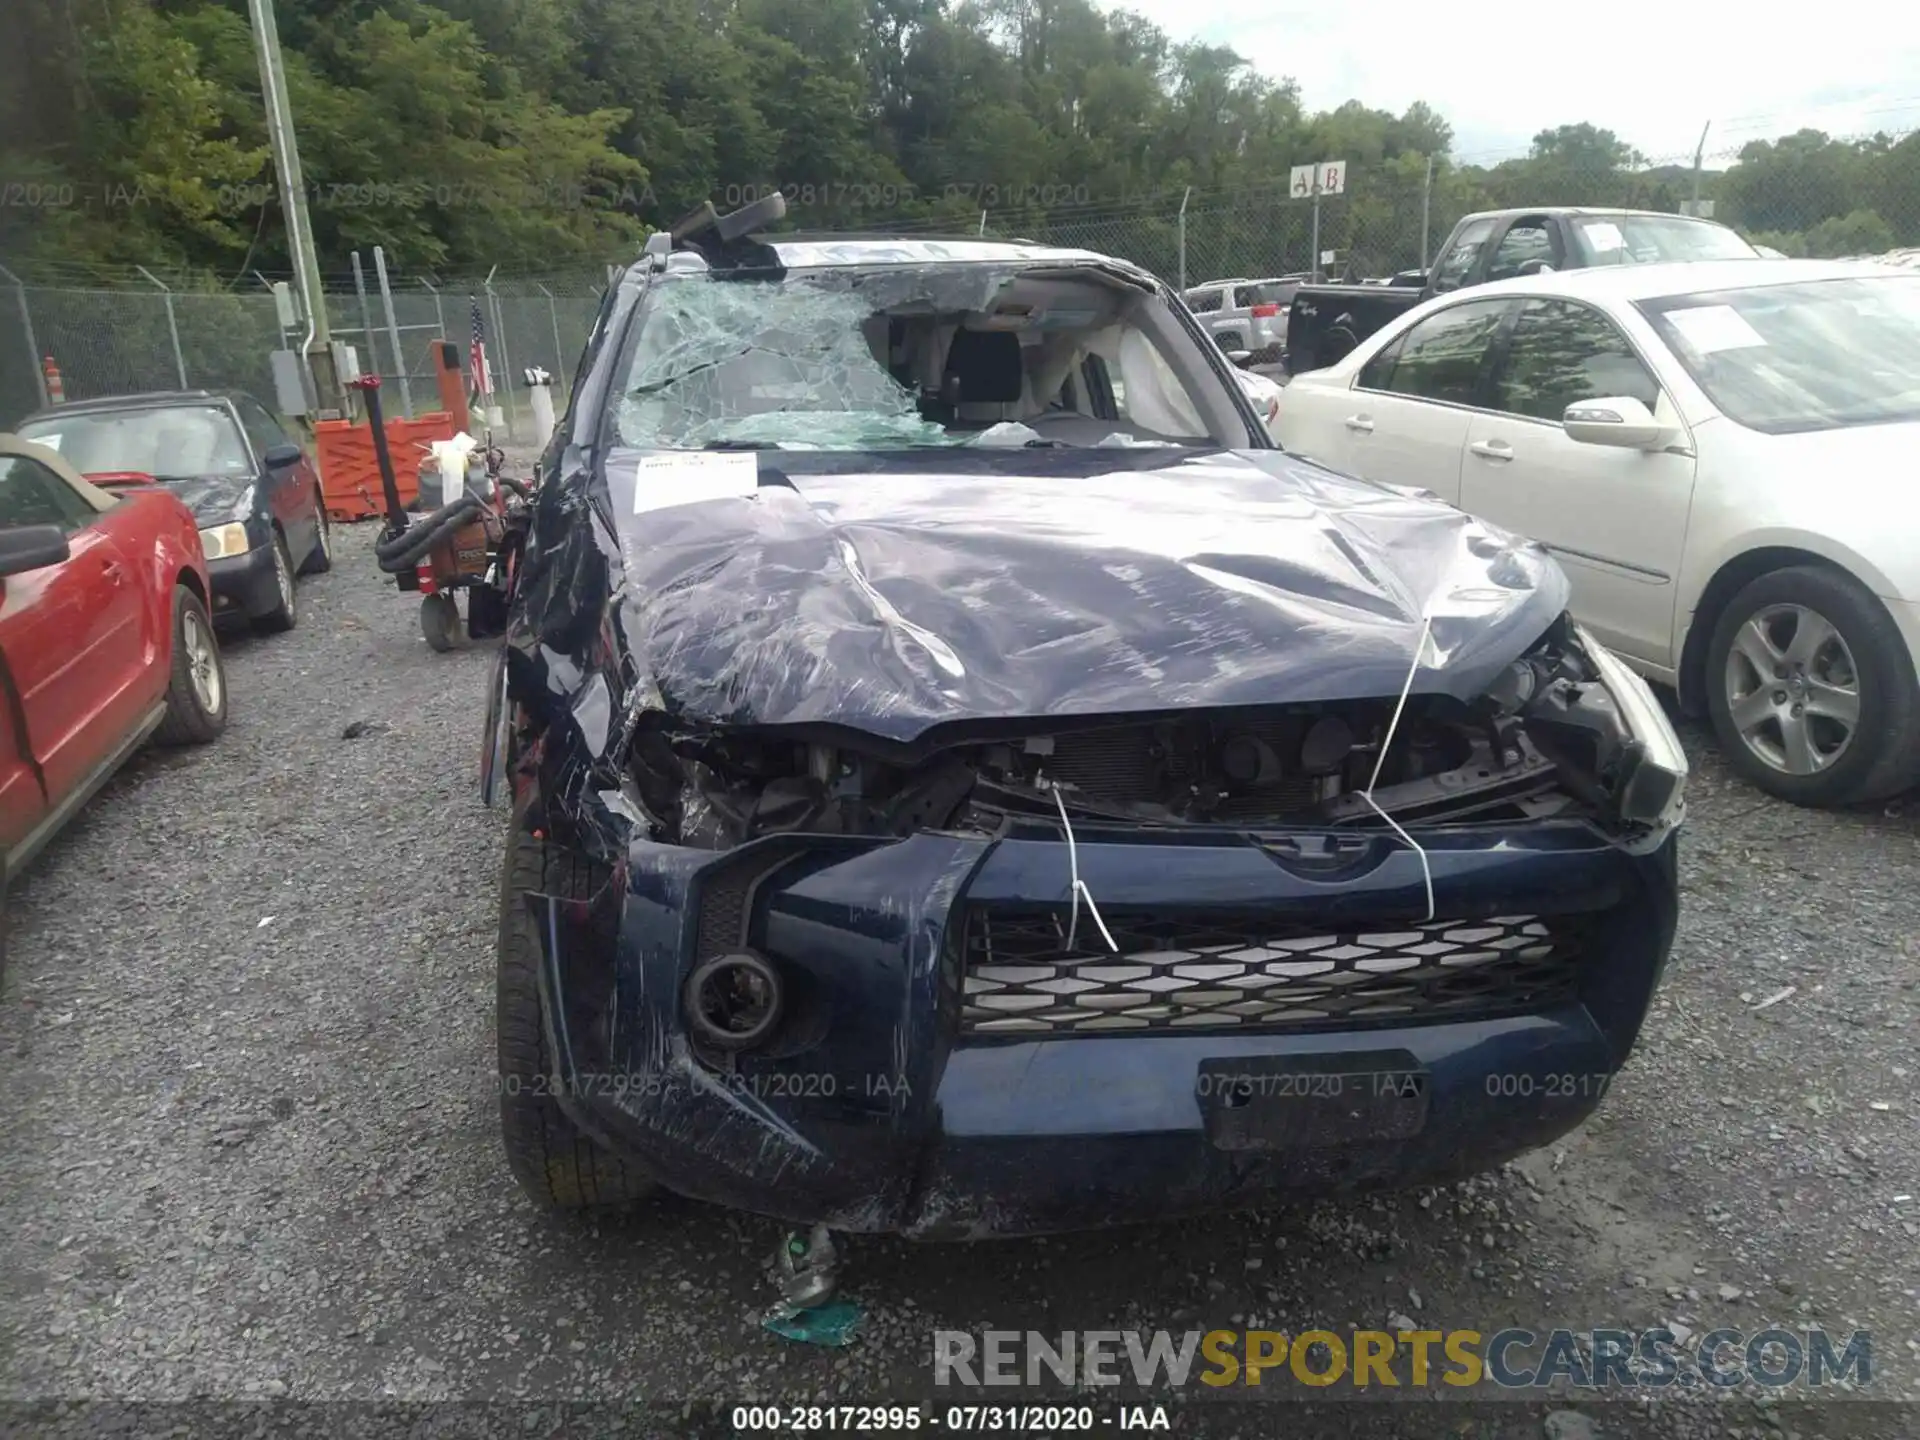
x,y
213,499
893,593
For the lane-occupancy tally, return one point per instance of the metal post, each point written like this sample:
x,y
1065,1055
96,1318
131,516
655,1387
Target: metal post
x,y
439,315
1313,261
553,314
1183,237
393,328
506,365
26,323
1426,212
1699,152
983,222
293,203
372,365
173,329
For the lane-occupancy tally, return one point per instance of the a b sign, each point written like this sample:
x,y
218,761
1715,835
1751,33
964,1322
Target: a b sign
x,y
1329,177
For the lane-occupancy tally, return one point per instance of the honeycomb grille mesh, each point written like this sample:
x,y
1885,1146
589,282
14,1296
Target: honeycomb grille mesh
x,y
1226,973
726,892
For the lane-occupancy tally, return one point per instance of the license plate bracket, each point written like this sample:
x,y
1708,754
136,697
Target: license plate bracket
x,y
1297,1102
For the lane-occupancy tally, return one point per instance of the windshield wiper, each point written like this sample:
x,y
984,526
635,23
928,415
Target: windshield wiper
x,y
740,445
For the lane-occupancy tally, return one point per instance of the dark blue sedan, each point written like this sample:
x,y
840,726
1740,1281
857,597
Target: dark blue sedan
x,y
252,490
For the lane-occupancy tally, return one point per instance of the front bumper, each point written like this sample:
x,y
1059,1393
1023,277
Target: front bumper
x,y
880,1110
244,586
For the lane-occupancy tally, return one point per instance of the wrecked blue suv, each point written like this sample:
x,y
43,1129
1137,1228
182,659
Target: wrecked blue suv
x,y
965,781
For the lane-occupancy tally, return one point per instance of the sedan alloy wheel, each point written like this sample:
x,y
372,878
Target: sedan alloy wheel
x,y
1793,689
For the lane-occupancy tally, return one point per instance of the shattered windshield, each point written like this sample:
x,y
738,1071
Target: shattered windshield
x,y
903,357
765,362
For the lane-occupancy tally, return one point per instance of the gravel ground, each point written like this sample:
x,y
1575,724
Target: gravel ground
x,y
248,1143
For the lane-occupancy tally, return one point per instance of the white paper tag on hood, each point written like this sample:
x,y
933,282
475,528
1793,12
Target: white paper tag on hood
x,y
681,477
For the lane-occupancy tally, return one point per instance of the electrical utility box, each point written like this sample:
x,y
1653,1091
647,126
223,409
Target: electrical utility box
x,y
346,362
289,382
285,307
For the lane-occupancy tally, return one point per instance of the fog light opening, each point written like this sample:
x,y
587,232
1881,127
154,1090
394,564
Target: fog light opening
x,y
734,1001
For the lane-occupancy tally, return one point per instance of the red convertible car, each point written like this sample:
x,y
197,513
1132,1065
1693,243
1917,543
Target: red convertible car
x,y
105,639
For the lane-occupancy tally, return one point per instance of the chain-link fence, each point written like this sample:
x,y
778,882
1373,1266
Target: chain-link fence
x,y
525,324
116,339
1802,195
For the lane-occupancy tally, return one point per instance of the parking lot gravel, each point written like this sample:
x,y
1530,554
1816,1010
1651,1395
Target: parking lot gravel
x,y
248,1146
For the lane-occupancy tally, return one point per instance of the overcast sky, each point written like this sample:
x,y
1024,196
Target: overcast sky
x,y
1652,71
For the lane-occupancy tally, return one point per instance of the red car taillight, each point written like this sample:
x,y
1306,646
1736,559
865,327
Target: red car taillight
x,y
1265,312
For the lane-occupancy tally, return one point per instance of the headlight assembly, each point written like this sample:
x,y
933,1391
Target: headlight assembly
x,y
1651,789
224,540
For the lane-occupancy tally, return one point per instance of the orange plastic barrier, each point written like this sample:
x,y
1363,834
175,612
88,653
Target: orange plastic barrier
x,y
350,472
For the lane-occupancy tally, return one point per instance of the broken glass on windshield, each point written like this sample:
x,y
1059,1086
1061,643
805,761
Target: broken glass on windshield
x,y
792,364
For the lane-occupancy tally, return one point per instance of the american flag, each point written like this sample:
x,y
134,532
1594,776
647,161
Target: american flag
x,y
477,353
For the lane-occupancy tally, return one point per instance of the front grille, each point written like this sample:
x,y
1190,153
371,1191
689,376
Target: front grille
x,y
725,902
1201,972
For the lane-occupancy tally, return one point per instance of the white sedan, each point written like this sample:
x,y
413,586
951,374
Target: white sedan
x,y
1265,395
1722,456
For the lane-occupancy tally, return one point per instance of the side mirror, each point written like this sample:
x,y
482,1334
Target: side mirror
x,y
32,547
279,457
1617,420
1240,357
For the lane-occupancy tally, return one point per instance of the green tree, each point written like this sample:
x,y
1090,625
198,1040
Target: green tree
x,y
1860,232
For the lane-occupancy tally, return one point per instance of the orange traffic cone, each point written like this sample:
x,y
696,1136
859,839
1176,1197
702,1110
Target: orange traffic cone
x,y
56,387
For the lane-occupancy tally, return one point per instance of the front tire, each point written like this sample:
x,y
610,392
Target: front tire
x,y
285,613
320,559
1812,691
197,682
555,1164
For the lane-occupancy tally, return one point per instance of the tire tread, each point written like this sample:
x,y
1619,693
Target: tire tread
x,y
1893,713
556,1165
318,561
280,619
185,723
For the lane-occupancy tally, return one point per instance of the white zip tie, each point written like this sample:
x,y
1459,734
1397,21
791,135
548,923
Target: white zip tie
x,y
1426,869
1079,886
